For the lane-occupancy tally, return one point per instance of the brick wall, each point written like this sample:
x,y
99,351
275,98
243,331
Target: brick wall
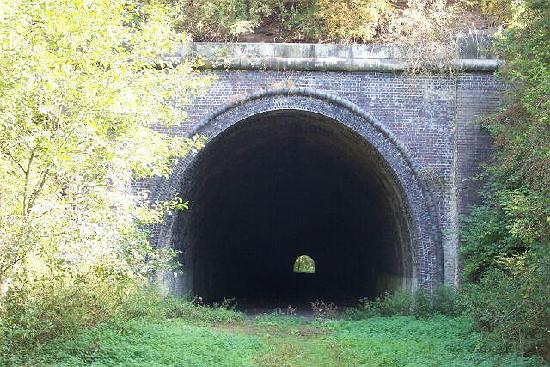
x,y
434,117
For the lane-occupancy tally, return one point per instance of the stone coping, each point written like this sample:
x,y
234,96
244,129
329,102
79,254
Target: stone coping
x,y
327,57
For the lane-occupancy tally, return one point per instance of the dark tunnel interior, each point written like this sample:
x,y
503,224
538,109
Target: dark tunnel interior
x,y
288,183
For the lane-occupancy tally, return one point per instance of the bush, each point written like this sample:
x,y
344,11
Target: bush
x,y
421,304
35,312
446,301
207,20
301,18
484,238
398,303
500,9
194,313
347,21
323,310
506,247
352,20
150,304
515,307
34,315
427,32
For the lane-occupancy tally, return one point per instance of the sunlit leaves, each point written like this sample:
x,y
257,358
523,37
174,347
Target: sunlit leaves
x,y
506,240
86,90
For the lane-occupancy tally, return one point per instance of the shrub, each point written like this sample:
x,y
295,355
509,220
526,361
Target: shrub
x,y
34,312
399,302
348,21
484,238
194,313
446,300
221,19
502,10
427,32
301,18
421,304
365,310
149,303
352,20
506,247
324,310
515,307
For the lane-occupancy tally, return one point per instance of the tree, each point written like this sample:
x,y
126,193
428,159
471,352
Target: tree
x,y
506,240
85,90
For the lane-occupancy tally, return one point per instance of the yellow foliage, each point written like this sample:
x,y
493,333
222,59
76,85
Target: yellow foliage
x,y
503,10
427,32
514,263
353,20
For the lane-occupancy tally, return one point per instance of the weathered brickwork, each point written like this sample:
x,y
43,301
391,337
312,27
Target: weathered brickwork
x,y
477,96
434,117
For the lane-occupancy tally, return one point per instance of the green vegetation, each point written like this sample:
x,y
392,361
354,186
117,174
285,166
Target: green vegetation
x,y
221,19
444,301
304,264
356,20
327,20
201,336
84,86
506,240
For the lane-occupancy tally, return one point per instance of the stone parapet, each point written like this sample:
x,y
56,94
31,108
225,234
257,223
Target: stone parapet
x,y
473,56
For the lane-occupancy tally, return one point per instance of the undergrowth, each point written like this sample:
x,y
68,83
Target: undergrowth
x,y
171,332
444,301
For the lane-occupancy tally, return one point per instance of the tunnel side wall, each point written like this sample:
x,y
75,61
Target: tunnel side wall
x,y
434,117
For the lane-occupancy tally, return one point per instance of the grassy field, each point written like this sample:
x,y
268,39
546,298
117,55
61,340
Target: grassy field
x,y
226,338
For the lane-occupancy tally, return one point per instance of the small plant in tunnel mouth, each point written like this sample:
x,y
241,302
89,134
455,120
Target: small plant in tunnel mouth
x,y
324,310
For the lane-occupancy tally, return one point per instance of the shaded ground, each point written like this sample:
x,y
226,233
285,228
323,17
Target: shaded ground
x,y
273,340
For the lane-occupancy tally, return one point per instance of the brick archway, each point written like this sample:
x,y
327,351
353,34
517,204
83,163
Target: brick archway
x,y
379,170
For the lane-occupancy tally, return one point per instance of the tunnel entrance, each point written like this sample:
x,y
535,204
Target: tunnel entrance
x,y
284,183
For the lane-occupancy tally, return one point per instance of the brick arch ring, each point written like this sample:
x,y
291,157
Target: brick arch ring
x,y
425,248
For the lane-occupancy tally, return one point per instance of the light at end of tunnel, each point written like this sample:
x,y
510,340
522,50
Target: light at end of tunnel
x,y
304,264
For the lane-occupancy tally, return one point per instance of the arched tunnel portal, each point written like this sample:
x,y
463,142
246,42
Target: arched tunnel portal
x,y
286,182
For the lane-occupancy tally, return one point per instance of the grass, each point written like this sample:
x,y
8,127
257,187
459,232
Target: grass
x,y
205,337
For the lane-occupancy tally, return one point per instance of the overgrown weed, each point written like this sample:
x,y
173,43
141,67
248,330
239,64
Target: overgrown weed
x,y
443,301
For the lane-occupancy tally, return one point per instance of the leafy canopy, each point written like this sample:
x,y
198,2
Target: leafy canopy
x,y
86,89
506,240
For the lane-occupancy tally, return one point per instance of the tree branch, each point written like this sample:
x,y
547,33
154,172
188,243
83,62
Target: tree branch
x,y
36,192
6,152
26,184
